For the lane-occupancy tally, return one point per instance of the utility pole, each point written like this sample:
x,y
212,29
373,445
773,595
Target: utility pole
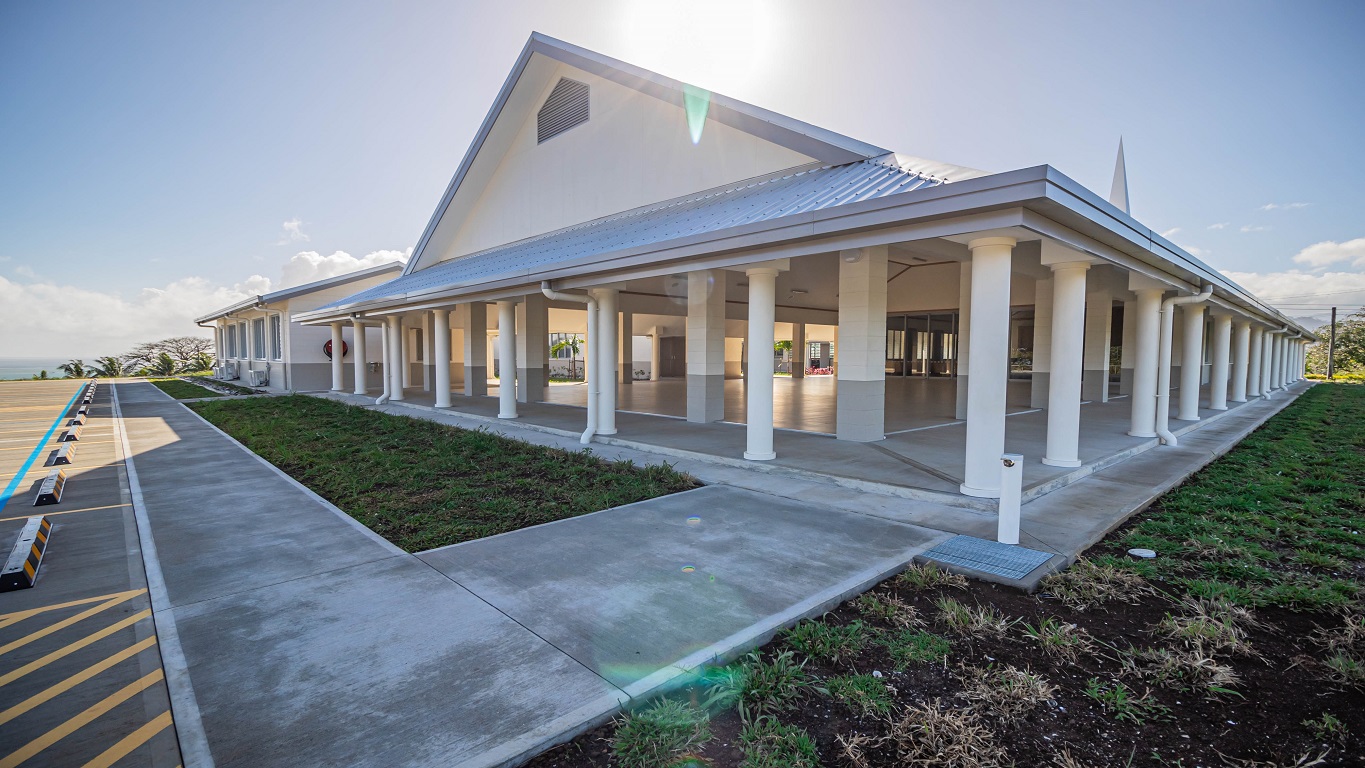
x,y
1332,347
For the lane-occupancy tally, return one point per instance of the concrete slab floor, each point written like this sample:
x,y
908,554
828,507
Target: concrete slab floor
x,y
314,642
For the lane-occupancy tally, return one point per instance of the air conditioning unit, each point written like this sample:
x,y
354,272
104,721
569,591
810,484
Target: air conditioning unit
x,y
227,371
258,378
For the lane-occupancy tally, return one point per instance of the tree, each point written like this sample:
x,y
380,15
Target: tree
x,y
109,368
1350,352
182,349
74,369
163,365
201,361
571,343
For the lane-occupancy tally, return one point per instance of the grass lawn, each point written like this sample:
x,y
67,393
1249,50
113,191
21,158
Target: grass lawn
x,y
182,390
423,485
1241,644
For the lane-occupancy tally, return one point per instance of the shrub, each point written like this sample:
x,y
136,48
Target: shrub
x,y
659,734
768,743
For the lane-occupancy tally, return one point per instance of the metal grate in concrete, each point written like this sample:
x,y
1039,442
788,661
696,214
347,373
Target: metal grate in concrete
x,y
1008,560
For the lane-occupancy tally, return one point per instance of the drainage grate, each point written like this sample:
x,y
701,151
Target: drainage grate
x,y
1006,560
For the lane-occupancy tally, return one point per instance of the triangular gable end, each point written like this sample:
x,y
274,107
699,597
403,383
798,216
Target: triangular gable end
x,y
575,136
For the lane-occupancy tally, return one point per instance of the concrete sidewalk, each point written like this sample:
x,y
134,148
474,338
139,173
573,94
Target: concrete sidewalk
x,y
307,639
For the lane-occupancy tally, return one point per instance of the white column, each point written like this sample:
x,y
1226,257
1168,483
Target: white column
x,y
964,337
608,330
475,322
403,353
533,347
705,345
799,350
1241,350
989,362
1267,362
507,359
440,336
860,399
1099,320
385,360
1274,381
358,357
762,315
1256,346
1147,353
338,372
1218,374
1041,376
396,362
1068,351
1192,361
627,350
1128,350
427,345
656,356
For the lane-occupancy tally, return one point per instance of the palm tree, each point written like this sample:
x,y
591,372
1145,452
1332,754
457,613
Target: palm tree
x,y
570,343
163,365
74,369
109,368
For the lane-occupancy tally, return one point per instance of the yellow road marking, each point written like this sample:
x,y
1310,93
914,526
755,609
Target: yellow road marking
x,y
63,624
10,677
63,512
71,726
20,615
74,680
131,742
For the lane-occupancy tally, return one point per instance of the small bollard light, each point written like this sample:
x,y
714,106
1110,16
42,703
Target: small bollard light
x,y
1011,493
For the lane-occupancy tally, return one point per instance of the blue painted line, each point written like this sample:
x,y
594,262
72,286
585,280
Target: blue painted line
x,y
37,450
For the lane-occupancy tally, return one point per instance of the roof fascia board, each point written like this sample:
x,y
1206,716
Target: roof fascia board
x,y
330,282
250,303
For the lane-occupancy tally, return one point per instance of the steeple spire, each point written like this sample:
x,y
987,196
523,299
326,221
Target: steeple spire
x,y
1118,193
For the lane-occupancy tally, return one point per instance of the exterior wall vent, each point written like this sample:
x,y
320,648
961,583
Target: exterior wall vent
x,y
567,107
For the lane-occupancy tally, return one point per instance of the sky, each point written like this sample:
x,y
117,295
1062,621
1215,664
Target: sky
x,y
163,159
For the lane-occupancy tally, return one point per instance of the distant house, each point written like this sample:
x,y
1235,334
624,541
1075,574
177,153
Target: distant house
x,y
603,199
260,342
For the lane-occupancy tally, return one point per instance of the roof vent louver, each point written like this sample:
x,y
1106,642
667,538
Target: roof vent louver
x,y
567,107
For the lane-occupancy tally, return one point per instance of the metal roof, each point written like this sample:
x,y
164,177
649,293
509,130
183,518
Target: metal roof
x,y
301,290
772,197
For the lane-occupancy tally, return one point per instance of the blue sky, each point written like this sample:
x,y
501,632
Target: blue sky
x,y
154,152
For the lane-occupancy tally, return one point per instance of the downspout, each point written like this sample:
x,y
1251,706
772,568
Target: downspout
x,y
589,357
1163,376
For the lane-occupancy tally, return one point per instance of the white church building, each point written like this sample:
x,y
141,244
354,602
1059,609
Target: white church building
x,y
937,315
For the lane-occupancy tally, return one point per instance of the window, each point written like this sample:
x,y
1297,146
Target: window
x,y
566,352
565,108
258,338
895,344
276,339
243,352
420,350
232,340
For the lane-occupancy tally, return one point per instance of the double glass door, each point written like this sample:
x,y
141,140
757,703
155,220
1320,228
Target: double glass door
x,y
921,345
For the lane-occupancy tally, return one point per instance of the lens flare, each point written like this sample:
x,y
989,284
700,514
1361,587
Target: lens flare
x,y
696,102
689,568
694,520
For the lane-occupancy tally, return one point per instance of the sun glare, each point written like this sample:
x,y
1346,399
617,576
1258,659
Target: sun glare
x,y
721,45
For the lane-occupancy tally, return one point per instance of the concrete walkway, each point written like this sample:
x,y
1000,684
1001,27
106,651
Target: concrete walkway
x,y
307,639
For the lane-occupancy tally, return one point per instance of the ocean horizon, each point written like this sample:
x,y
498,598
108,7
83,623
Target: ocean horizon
x,y
28,367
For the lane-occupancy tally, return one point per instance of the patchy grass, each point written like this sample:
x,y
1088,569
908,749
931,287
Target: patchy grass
x,y
1242,643
182,390
659,734
423,485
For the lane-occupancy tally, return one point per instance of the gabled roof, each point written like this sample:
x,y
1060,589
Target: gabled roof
x,y
303,290
764,199
824,145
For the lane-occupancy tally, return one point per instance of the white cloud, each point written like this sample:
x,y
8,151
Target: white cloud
x,y
34,328
1294,290
24,271
1328,252
1195,250
309,266
1170,232
1220,225
1253,228
292,233
1282,206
